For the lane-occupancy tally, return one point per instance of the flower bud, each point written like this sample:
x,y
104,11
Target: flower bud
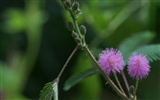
x,y
75,6
78,40
67,4
83,29
74,35
131,89
70,26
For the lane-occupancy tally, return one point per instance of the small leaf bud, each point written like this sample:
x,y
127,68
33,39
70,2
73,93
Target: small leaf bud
x,y
131,89
83,29
75,6
74,35
70,26
78,40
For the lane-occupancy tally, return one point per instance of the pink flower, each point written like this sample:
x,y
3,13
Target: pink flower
x,y
111,60
138,66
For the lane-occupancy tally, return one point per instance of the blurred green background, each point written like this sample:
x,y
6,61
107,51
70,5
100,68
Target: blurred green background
x,y
35,43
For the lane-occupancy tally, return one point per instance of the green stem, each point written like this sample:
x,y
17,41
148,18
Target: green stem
x,y
75,23
135,90
64,66
106,77
61,72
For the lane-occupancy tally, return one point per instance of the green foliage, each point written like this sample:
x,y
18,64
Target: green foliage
x,y
96,52
152,52
73,80
10,82
47,92
16,21
85,90
128,46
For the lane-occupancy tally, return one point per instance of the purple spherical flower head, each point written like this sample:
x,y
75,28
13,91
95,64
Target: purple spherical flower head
x,y
138,66
110,60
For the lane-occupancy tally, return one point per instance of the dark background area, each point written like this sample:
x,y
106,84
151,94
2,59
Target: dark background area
x,y
35,43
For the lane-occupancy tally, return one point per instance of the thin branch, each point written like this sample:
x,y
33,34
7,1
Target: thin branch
x,y
125,81
135,90
107,78
64,66
118,83
92,57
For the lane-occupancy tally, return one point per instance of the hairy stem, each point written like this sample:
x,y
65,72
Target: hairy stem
x,y
107,78
92,57
64,66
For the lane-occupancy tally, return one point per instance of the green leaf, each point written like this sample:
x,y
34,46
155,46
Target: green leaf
x,y
152,52
47,92
73,80
55,89
128,46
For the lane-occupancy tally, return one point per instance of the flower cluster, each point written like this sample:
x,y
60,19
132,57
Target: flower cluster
x,y
111,61
138,66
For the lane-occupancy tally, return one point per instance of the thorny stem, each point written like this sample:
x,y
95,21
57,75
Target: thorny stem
x,y
92,57
118,83
125,81
135,89
64,66
107,78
